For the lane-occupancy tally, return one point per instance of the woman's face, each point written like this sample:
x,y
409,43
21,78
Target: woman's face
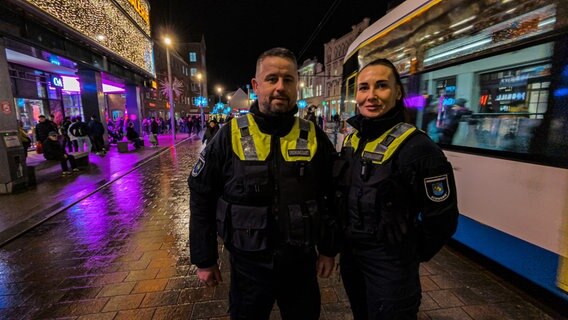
x,y
377,91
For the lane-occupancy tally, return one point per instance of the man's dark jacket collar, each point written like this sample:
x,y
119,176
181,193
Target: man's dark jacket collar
x,y
278,125
372,128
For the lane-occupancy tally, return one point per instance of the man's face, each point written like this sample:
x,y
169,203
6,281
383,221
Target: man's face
x,y
275,85
54,138
41,119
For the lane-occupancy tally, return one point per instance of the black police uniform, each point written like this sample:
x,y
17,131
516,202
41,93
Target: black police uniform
x,y
399,201
262,184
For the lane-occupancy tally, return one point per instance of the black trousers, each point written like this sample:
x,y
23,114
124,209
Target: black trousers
x,y
137,143
63,161
289,278
380,284
98,143
67,143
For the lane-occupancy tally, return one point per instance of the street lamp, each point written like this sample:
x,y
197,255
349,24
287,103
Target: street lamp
x,y
199,76
219,91
168,42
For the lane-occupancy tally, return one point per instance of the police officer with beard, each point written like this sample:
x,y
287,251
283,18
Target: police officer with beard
x,y
263,183
398,197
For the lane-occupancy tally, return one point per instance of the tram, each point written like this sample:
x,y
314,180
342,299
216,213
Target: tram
x,y
509,61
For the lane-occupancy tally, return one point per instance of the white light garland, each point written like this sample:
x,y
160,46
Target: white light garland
x,y
105,23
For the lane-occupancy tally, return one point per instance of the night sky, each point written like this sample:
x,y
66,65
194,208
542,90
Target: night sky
x,y
236,32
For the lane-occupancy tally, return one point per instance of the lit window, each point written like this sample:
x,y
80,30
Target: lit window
x,y
192,57
193,71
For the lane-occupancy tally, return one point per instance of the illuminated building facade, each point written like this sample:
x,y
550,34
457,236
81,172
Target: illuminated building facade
x,y
75,58
334,52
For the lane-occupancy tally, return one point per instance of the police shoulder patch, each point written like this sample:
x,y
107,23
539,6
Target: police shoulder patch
x,y
437,188
198,167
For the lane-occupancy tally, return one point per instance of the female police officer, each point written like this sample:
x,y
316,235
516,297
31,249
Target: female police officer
x,y
399,200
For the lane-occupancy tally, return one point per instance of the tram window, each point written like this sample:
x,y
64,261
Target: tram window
x,y
505,103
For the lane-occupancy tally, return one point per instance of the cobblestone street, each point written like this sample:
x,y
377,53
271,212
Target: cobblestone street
x,y
122,253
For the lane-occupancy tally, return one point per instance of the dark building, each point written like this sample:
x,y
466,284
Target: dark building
x,y
156,99
194,54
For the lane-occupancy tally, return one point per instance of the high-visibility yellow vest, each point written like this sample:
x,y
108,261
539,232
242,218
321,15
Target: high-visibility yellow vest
x,y
249,143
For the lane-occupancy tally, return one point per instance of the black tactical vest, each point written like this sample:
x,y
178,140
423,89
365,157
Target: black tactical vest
x,y
272,196
370,175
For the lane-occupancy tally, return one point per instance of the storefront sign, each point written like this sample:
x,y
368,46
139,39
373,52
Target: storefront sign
x,y
6,107
56,81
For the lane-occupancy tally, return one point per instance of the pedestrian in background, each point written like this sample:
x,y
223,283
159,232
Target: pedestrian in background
x,y
452,118
133,136
154,128
96,131
42,130
398,197
80,131
262,184
24,138
311,114
210,131
63,132
72,137
53,150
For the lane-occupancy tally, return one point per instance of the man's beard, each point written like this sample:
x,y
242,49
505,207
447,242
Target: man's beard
x,y
275,109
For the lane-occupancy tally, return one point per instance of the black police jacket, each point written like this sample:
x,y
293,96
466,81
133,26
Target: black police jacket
x,y
409,199
257,206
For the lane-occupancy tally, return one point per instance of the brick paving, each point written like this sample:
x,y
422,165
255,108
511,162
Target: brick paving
x,y
122,253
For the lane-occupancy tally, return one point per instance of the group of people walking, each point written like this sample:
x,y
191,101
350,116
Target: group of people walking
x,y
272,187
80,136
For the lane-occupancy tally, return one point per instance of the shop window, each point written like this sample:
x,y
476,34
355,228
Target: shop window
x,y
519,90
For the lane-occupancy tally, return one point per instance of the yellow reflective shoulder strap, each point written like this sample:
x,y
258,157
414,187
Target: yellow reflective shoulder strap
x,y
386,145
300,144
248,142
351,140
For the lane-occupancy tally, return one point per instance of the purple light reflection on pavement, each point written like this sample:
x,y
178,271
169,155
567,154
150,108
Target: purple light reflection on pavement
x,y
90,221
126,194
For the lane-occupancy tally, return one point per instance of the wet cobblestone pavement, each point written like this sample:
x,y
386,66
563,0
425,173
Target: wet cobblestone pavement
x,y
122,253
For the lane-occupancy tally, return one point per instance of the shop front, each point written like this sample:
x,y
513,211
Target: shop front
x,y
57,96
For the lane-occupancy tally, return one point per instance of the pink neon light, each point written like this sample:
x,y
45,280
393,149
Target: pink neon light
x,y
415,102
72,84
107,88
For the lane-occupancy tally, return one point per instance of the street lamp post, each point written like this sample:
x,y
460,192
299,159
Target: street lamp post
x,y
201,106
219,91
168,42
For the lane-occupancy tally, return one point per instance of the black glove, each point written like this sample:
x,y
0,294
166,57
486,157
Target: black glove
x,y
393,220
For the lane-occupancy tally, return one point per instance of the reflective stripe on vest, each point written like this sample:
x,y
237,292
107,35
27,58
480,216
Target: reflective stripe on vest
x,y
381,149
249,143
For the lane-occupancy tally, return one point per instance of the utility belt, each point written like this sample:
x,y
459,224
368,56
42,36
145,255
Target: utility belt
x,y
256,229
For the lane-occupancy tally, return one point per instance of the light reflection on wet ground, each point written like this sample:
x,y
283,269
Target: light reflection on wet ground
x,y
123,253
